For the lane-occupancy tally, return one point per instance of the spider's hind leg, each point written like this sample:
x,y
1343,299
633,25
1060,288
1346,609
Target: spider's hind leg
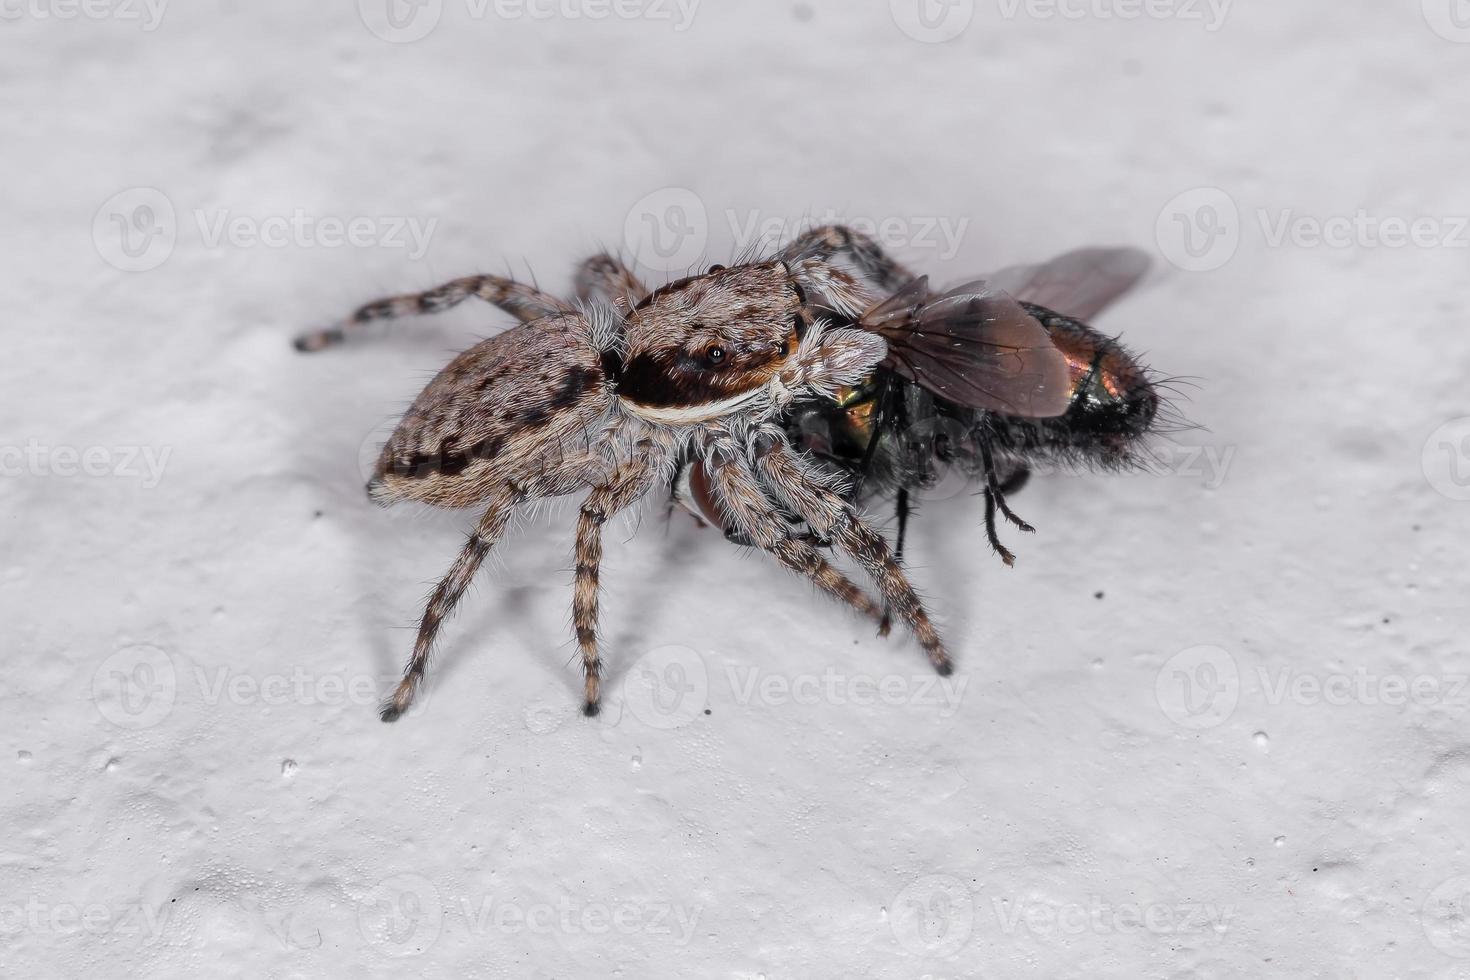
x,y
447,595
629,482
607,277
525,303
838,241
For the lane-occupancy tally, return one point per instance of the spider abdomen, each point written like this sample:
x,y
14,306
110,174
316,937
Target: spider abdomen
x,y
520,408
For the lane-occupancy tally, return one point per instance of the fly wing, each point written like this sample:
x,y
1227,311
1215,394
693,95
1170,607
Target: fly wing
x,y
975,346
1079,284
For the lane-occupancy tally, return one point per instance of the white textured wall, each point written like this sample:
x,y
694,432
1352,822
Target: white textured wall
x,y
1249,758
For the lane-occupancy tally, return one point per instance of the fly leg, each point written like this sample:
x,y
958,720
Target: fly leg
x,y
995,499
901,511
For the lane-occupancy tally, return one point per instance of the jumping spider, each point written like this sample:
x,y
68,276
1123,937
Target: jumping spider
x,y
614,393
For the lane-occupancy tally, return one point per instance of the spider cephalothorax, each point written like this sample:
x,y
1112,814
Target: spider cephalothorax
x,y
710,338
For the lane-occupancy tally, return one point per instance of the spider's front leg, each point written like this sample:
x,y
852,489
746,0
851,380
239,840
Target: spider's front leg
x,y
628,482
750,513
827,360
830,514
525,303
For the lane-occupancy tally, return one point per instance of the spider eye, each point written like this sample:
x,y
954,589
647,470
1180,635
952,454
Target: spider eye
x,y
715,268
715,356
785,348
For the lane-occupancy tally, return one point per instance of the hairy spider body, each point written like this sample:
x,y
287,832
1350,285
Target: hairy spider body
x,y
611,398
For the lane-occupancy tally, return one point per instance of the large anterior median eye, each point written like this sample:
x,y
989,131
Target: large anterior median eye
x,y
715,357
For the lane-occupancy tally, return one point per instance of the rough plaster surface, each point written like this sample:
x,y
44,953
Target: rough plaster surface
x,y
1213,724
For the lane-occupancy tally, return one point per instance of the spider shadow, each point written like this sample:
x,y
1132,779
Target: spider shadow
x,y
342,422
499,613
680,541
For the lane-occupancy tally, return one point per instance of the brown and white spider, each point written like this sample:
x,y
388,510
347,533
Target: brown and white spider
x,y
612,393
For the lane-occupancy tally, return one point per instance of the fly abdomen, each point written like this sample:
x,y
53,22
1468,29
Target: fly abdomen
x,y
1113,404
